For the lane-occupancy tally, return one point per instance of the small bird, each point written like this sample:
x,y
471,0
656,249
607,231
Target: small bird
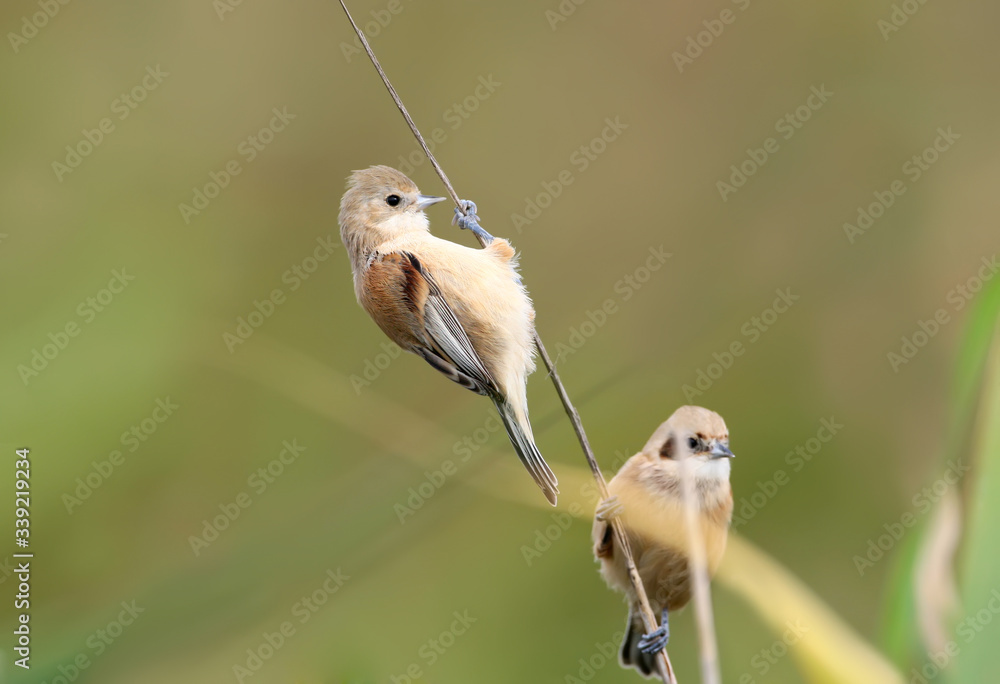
x,y
646,495
463,310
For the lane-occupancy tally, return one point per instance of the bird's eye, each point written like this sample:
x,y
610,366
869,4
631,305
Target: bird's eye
x,y
692,443
392,200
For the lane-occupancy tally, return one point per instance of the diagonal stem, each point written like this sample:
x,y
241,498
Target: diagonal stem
x,y
648,618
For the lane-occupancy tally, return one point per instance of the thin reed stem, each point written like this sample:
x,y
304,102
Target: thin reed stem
x,y
698,570
649,619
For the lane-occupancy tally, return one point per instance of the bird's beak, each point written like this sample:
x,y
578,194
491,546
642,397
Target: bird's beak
x,y
720,450
428,200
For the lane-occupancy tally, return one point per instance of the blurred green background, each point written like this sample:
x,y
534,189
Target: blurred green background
x,y
380,489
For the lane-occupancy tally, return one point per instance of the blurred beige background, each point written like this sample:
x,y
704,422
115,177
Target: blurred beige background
x,y
302,412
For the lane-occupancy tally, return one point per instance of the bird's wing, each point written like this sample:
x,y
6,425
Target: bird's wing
x,y
446,345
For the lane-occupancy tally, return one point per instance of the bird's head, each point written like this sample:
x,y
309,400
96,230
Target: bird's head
x,y
692,432
381,203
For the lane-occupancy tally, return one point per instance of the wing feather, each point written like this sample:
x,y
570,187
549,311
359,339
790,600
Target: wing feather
x,y
419,317
447,334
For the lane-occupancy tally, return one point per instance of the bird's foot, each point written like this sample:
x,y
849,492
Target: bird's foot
x,y
656,641
466,219
609,509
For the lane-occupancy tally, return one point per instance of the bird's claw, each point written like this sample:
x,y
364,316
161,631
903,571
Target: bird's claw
x,y
655,641
466,219
609,509
464,214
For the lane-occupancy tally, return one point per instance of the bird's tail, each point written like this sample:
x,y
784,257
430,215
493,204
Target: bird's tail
x,y
519,432
630,655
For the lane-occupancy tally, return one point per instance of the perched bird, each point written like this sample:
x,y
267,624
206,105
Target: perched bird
x,y
463,310
646,496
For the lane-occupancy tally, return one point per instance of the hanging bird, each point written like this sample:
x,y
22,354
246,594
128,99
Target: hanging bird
x,y
463,310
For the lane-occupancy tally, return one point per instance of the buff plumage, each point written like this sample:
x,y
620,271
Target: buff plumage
x,y
462,310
